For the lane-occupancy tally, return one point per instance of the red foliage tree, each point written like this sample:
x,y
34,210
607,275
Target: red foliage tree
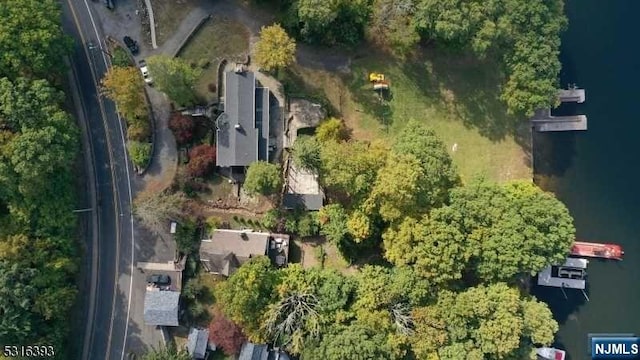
x,y
182,127
226,334
202,159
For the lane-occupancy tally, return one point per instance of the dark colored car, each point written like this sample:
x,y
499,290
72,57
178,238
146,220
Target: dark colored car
x,y
109,4
159,279
131,44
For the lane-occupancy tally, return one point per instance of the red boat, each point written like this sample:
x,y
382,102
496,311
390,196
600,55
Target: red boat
x,y
604,251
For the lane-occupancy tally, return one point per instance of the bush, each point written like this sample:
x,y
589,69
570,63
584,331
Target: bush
x,y
202,159
182,127
213,223
186,237
140,153
291,224
270,219
308,225
139,131
120,57
226,334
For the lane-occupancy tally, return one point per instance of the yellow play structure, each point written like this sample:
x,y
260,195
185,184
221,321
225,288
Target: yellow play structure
x,y
379,81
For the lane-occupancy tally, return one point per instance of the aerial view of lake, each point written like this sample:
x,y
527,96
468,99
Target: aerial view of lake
x,y
597,173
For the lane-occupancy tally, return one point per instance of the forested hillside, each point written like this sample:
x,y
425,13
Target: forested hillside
x,y
38,149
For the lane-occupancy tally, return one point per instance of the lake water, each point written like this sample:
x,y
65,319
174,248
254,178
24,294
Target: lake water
x,y
597,173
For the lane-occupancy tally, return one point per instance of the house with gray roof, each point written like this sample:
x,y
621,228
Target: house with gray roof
x,y
197,343
161,307
242,135
251,351
226,250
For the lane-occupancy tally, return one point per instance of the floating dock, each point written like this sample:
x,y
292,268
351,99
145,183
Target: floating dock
x,y
543,121
572,275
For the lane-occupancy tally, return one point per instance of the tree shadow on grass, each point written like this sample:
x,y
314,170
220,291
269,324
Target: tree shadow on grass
x,y
466,87
453,83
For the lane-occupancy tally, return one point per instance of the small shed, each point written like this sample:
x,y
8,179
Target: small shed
x,y
197,343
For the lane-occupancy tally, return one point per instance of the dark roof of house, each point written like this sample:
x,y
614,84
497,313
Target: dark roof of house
x,y
243,128
303,201
251,351
223,264
197,343
161,308
228,249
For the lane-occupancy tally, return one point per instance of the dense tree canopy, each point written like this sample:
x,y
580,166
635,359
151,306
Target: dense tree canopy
x,y
32,42
275,49
202,159
486,322
247,293
351,167
328,22
525,36
175,77
263,178
38,147
226,334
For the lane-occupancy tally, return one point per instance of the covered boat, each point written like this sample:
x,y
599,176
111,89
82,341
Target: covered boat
x,y
596,250
549,353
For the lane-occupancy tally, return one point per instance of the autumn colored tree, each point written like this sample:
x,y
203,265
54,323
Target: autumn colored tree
x,y
125,87
331,129
275,49
202,159
182,127
225,334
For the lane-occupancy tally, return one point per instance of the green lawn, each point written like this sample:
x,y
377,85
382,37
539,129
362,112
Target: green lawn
x,y
456,96
219,38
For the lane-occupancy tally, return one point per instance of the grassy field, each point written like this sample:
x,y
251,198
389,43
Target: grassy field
x,y
456,96
219,38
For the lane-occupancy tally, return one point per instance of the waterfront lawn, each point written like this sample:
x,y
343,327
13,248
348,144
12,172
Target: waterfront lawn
x,y
218,39
456,95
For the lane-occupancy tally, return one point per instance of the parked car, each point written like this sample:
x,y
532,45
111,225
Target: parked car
x,y
159,279
145,72
131,44
109,4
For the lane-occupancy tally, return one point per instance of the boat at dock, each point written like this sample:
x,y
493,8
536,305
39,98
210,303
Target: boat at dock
x,y
548,353
596,250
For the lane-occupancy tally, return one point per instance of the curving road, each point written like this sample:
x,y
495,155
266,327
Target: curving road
x,y
111,244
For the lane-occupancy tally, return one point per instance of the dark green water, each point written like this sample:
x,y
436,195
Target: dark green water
x,y
597,173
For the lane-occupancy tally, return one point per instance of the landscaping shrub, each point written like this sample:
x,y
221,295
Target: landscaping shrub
x,y
182,127
120,57
140,153
270,219
308,225
291,224
186,237
139,131
202,159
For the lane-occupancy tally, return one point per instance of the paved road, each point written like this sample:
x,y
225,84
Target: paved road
x,y
112,248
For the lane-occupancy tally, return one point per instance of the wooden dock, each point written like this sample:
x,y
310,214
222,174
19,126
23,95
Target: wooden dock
x,y
572,95
543,121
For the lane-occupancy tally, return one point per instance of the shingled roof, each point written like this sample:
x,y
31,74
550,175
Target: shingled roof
x,y
243,129
197,343
161,308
